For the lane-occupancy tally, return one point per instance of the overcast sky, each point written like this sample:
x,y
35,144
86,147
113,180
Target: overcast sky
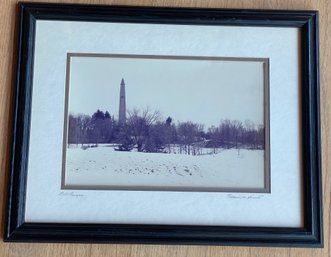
x,y
201,91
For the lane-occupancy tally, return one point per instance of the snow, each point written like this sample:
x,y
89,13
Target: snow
x,y
103,167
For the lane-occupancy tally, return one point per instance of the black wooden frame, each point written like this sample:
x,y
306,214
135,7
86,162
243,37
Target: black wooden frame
x,y
311,235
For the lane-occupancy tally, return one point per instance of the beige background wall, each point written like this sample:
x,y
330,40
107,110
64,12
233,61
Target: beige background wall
x,y
7,44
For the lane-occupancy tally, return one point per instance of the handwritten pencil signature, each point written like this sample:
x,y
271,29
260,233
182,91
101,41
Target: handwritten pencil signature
x,y
71,194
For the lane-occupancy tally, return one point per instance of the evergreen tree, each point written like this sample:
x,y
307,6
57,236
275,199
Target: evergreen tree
x,y
107,115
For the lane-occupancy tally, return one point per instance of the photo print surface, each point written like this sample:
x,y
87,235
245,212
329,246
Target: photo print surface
x,y
177,123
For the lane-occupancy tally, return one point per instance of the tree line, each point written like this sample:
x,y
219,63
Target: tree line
x,y
146,131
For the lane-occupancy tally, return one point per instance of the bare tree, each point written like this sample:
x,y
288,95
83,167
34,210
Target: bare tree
x,y
77,129
140,123
189,134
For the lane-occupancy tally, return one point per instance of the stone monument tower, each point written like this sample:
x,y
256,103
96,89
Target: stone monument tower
x,y
122,108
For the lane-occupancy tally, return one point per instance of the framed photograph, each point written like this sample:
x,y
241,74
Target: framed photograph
x,y
205,142
165,125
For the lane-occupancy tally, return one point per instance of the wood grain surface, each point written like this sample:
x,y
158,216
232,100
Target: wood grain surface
x,y
8,19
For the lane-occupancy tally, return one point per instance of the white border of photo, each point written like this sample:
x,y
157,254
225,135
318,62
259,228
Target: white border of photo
x,y
46,202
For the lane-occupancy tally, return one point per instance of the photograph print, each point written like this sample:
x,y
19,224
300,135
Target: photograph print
x,y
166,123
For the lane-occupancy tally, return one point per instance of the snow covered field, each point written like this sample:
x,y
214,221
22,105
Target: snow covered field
x,y
104,167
